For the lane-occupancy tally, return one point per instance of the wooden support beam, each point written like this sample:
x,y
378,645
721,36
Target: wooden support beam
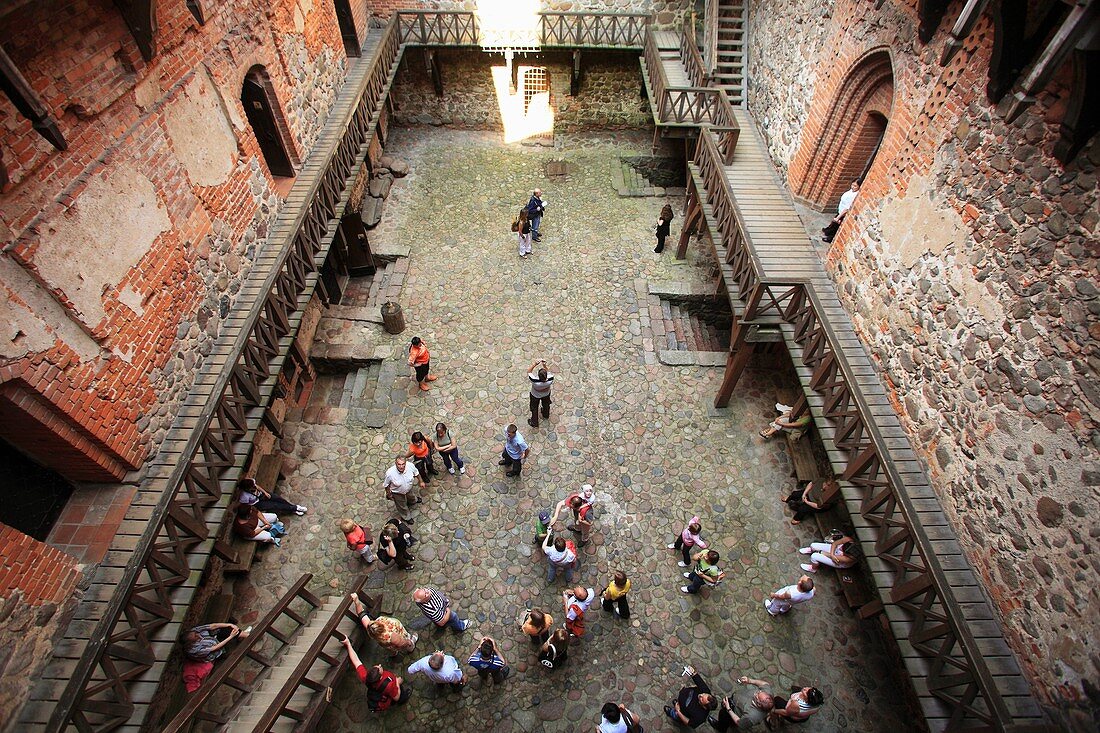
x,y
968,18
930,13
513,70
576,77
432,64
741,352
1082,118
691,224
141,19
197,10
24,99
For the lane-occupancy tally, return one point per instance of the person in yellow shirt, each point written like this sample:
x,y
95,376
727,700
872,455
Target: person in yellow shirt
x,y
614,595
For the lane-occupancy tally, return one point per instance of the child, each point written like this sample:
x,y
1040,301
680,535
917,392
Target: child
x,y
359,539
542,526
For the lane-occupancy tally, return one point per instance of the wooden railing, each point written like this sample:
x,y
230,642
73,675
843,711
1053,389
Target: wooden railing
x,y
957,672
262,648
689,54
437,28
593,29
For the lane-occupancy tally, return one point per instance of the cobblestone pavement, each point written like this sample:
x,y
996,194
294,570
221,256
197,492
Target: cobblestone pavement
x,y
639,431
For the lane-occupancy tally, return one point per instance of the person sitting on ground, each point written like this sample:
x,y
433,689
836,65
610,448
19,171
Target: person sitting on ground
x,y
613,597
384,689
706,571
693,704
359,539
420,453
394,544
843,552
488,661
386,630
749,709
207,642
784,599
559,556
250,524
537,624
687,539
250,492
785,423
440,668
801,501
555,650
800,705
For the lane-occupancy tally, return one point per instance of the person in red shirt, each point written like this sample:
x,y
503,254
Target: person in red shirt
x,y
420,361
384,689
581,505
359,539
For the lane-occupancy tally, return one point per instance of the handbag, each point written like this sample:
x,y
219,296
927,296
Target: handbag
x,y
278,529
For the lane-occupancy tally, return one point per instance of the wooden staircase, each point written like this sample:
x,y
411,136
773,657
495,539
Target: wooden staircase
x,y
729,60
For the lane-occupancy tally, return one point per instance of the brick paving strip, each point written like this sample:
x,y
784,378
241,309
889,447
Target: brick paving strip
x,y
641,431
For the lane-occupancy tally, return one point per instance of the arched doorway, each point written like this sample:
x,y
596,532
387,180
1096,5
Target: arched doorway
x,y
261,107
852,134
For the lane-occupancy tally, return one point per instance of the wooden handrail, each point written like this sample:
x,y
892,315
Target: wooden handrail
x,y
438,27
224,668
689,53
593,28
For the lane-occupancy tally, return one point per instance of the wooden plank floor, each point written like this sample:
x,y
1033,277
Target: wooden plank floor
x,y
105,583
784,250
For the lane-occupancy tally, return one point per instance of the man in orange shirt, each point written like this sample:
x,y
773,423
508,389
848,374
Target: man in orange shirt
x,y
420,361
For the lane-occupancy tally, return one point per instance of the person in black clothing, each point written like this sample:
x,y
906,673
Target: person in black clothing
x,y
694,703
800,501
394,544
664,226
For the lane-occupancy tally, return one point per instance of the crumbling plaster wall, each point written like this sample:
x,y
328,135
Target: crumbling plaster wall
x,y
969,265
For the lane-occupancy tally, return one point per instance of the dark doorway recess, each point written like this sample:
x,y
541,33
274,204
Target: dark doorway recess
x,y
261,110
346,20
32,495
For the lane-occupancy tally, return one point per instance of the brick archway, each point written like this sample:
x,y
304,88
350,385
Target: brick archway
x,y
853,128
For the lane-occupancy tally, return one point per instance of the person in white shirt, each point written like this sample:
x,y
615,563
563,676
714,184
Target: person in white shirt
x,y
402,485
612,719
558,557
784,599
542,382
846,202
440,668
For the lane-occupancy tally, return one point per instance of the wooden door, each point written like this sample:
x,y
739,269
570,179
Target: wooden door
x,y
257,107
346,20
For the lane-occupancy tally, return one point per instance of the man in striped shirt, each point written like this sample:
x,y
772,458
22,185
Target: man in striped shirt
x,y
437,608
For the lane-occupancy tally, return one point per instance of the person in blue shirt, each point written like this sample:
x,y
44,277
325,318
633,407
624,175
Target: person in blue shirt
x,y
515,451
487,660
535,208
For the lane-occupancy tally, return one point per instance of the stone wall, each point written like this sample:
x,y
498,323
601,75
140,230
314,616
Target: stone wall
x,y
127,249
969,265
475,86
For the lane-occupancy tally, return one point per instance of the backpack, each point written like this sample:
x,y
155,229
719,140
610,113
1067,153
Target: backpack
x,y
377,699
576,626
515,224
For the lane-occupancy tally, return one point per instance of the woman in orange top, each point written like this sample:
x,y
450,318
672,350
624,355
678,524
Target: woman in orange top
x,y
420,453
420,361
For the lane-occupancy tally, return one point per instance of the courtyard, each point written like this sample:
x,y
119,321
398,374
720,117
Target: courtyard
x,y
643,433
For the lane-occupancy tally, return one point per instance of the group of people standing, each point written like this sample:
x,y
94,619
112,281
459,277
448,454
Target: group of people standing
x,y
527,222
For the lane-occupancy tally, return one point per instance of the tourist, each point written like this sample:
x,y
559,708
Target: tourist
x,y
542,526
693,704
384,689
394,543
706,571
542,381
663,228
613,597
250,492
535,208
559,556
257,526
787,424
359,539
448,449
436,607
515,451
801,501
420,361
846,200
615,718
207,642
420,452
580,504
576,602
536,625
488,661
842,552
786,598
800,705
522,227
688,539
386,630
750,707
402,484
555,650
440,668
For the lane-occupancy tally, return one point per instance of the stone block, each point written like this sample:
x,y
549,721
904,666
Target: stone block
x,y
676,358
372,211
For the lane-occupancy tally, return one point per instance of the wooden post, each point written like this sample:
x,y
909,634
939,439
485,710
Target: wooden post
x,y
691,223
433,71
575,77
741,352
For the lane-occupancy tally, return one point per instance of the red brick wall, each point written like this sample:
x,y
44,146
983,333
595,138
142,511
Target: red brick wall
x,y
43,574
109,103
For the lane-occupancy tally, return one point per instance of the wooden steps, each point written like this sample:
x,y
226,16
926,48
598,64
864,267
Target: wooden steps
x,y
729,62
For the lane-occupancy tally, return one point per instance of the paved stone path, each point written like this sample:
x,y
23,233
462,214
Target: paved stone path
x,y
639,431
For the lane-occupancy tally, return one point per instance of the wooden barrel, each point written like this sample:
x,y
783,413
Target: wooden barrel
x,y
393,320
